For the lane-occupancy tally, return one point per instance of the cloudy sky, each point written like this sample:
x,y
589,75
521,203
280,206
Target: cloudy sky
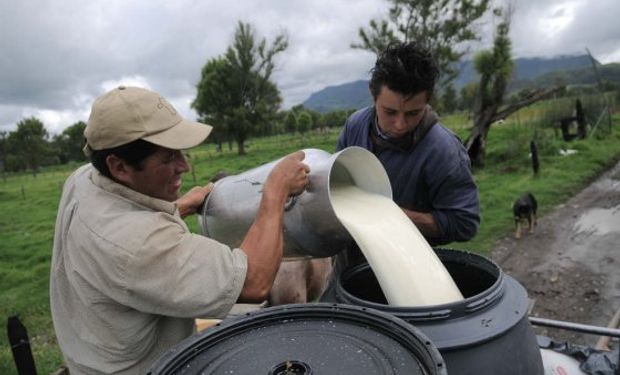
x,y
57,56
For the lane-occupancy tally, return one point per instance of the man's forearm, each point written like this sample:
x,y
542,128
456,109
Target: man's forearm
x,y
263,246
263,243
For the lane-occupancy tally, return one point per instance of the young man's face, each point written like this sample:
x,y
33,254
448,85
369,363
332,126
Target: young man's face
x,y
398,114
160,176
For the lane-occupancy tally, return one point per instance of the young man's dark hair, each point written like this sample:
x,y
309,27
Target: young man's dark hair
x,y
132,153
407,68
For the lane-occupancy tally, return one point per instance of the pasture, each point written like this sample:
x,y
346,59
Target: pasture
x,y
28,203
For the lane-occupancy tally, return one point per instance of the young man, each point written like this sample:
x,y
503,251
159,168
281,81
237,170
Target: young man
x,y
427,165
127,276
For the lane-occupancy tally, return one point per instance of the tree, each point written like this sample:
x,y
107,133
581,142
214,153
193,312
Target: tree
x,y
28,145
449,100
441,25
304,122
214,97
335,119
69,144
298,108
3,150
290,122
235,90
495,69
316,120
468,97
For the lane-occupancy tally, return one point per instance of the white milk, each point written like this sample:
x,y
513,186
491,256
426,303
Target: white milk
x,y
408,270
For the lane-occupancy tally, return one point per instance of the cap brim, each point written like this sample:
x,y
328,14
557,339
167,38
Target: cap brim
x,y
184,135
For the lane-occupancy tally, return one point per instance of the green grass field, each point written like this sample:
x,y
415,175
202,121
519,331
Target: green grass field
x,y
28,206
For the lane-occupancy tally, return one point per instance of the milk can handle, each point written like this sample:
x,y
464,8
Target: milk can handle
x,y
290,202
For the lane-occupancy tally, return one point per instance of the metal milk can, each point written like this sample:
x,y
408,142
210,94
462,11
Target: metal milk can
x,y
311,228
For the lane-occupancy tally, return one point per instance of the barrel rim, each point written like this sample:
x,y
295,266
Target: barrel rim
x,y
439,311
506,298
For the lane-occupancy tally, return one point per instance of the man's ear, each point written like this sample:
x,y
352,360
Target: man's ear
x,y
119,169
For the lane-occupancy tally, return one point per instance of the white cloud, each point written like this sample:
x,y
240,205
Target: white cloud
x,y
58,56
138,81
557,19
555,27
56,121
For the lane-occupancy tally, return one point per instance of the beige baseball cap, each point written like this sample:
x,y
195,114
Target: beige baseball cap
x,y
126,114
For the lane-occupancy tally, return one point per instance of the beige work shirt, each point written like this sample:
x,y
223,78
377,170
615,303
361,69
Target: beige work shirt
x,y
128,277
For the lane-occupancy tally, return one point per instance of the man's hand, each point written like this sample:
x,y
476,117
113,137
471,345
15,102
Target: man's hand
x,y
191,201
290,175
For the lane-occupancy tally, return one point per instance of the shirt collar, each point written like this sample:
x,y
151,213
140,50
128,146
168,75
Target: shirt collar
x,y
380,133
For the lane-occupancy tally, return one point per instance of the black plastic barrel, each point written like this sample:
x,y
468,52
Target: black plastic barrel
x,y
486,333
318,339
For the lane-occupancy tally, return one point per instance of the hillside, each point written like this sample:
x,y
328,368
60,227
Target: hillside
x,y
528,68
529,72
582,76
350,95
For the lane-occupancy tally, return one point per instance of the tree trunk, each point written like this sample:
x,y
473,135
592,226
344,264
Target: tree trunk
x,y
241,147
476,142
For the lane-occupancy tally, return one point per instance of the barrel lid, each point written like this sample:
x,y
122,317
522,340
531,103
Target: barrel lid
x,y
306,339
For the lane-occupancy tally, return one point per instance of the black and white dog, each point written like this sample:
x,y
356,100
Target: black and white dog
x,y
525,208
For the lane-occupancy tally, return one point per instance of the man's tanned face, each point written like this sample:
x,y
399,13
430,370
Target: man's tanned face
x,y
399,114
160,175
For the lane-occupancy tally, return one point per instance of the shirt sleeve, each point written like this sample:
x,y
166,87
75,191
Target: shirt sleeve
x,y
177,273
455,202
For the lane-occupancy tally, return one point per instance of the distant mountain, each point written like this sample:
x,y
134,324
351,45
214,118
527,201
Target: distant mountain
x,y
527,68
355,95
581,76
350,95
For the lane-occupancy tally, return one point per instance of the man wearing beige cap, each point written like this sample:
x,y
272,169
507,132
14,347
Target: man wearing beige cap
x,y
127,276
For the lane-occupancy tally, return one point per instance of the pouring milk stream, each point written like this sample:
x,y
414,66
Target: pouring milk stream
x,y
407,269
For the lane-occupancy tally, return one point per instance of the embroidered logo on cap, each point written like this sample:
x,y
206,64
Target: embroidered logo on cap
x,y
164,104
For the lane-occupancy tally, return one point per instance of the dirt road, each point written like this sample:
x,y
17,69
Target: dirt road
x,y
570,265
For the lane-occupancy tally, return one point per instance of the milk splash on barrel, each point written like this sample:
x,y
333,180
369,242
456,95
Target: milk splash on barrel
x,y
407,269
